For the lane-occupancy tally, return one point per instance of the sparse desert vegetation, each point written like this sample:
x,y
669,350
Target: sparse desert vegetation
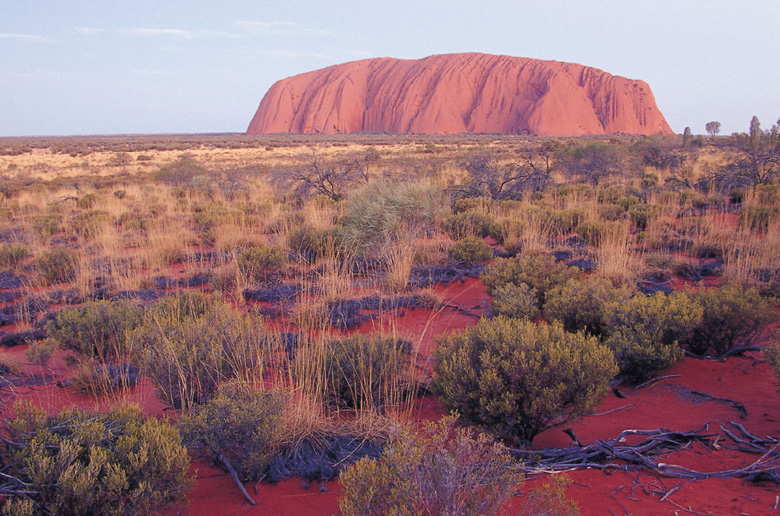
x,y
296,304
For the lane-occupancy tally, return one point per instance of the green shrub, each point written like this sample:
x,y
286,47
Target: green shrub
x,y
46,225
239,427
540,272
611,211
550,499
86,201
517,301
579,303
470,251
733,316
361,371
469,224
90,223
593,232
772,355
309,242
81,464
259,263
384,212
518,378
40,353
443,471
97,378
57,265
645,331
98,329
192,343
12,255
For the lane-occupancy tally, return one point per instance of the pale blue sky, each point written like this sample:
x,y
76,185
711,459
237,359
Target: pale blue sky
x,y
170,66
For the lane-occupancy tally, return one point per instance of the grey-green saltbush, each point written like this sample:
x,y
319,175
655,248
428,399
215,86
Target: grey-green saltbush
x,y
517,378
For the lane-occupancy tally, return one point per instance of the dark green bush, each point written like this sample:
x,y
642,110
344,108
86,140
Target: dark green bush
x,y
190,344
259,263
442,471
733,316
517,301
470,251
518,378
97,330
57,265
579,303
239,427
645,331
82,464
308,242
540,272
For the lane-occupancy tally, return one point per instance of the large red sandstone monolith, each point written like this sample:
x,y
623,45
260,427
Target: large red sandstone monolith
x,y
459,93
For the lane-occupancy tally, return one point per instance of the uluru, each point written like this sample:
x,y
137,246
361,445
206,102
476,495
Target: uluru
x,y
459,93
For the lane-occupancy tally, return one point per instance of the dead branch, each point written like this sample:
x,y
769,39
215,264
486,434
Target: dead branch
x,y
615,454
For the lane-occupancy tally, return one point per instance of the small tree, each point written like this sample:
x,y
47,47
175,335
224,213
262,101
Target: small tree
x,y
82,464
439,472
713,128
518,378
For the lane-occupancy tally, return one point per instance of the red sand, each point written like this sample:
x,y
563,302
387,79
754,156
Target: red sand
x,y
744,379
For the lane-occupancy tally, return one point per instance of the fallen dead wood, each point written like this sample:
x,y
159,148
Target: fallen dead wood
x,y
615,454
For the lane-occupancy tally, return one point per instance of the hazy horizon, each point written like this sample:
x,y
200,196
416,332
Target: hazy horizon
x,y
75,67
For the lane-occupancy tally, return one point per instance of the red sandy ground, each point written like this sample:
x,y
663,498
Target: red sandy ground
x,y
744,379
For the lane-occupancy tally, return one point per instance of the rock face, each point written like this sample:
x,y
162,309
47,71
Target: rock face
x,y
459,93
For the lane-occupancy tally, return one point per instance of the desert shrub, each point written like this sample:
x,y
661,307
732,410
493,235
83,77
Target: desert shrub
x,y
540,272
517,378
757,218
259,263
46,225
469,224
611,211
238,428
645,331
41,352
191,343
550,500
383,212
468,204
441,471
470,251
772,355
564,221
57,265
12,255
579,303
517,301
77,463
98,329
97,378
360,371
641,214
733,316
87,201
89,223
309,242
594,232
